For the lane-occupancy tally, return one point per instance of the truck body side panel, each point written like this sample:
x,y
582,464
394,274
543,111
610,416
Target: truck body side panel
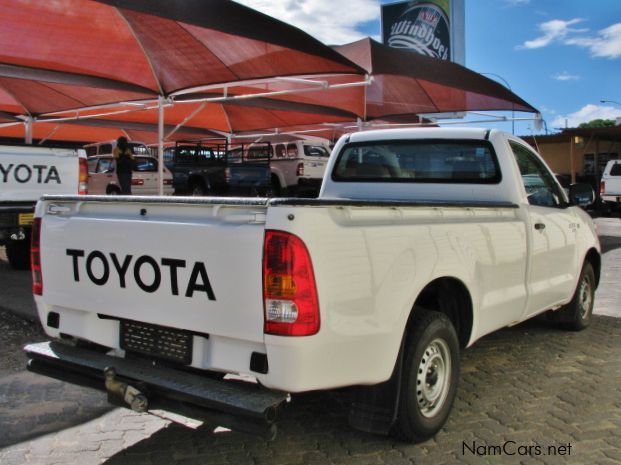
x,y
371,264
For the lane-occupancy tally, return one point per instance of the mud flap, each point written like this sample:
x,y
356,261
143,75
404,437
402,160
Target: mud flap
x,y
374,408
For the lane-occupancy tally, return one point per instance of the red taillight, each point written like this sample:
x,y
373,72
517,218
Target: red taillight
x,y
83,177
300,171
137,182
35,257
602,187
289,290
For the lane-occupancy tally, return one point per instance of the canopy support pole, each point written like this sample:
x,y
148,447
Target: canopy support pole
x,y
160,145
28,135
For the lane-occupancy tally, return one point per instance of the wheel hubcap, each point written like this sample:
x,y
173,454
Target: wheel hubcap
x,y
433,378
585,298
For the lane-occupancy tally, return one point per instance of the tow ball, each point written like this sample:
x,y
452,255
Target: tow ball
x,y
131,396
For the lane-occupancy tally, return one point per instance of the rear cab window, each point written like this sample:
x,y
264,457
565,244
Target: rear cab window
x,y
418,161
615,170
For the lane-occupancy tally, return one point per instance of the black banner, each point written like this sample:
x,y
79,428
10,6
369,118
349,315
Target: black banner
x,y
421,26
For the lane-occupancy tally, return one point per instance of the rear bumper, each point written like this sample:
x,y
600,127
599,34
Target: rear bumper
x,y
15,218
241,406
614,198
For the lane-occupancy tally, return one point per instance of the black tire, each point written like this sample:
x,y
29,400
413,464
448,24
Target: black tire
x,y
198,189
18,254
113,190
577,314
430,376
273,190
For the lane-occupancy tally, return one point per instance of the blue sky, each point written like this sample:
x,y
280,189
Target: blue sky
x,y
561,56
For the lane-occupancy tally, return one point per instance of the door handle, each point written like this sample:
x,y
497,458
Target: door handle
x,y
540,226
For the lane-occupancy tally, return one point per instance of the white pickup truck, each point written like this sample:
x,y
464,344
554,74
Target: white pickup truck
x,y
26,174
610,185
421,242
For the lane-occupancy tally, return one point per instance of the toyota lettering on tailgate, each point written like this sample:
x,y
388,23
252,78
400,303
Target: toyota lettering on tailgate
x,y
100,267
41,174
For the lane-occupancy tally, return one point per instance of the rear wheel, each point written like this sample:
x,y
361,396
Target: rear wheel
x,y
113,190
198,190
430,376
273,190
18,254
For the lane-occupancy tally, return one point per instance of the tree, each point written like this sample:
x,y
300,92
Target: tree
x,y
598,123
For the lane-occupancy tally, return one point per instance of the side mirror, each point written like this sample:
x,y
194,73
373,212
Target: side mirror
x,y
581,194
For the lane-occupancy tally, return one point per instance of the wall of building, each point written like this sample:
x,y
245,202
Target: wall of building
x,y
556,153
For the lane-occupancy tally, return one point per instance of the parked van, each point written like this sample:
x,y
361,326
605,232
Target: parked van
x,y
106,148
102,179
610,186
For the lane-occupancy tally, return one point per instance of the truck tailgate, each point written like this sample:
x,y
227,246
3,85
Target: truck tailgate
x,y
27,173
177,264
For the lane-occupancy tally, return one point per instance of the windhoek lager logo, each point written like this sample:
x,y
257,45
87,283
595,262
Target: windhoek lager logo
x,y
422,27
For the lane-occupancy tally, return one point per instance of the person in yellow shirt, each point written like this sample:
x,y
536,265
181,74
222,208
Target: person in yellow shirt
x,y
124,158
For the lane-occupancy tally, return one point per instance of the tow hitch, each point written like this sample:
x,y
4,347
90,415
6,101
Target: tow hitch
x,y
139,385
123,392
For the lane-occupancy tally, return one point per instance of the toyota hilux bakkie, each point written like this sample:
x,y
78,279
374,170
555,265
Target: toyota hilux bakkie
x,y
421,242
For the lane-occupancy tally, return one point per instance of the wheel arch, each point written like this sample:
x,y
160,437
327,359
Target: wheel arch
x,y
198,179
450,296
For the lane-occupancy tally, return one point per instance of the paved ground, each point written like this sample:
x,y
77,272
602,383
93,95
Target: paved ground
x,y
529,389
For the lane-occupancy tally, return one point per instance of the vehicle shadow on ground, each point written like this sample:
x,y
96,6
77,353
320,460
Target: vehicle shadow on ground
x,y
33,405
531,382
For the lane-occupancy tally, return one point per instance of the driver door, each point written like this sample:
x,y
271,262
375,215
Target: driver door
x,y
552,238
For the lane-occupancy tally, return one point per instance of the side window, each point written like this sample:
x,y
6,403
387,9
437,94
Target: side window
x,y
105,148
92,150
292,150
280,150
315,151
106,165
144,164
541,188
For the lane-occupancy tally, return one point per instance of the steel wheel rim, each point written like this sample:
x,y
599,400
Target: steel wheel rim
x,y
585,297
433,378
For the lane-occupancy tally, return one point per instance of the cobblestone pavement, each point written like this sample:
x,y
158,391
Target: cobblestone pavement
x,y
528,389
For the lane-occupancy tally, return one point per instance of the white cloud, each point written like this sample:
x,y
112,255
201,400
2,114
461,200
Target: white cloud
x,y
565,76
607,44
331,21
552,30
516,2
585,114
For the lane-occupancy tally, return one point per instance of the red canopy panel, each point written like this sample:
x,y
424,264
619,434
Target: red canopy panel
x,y
187,56
122,50
76,36
231,116
42,97
406,82
92,133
